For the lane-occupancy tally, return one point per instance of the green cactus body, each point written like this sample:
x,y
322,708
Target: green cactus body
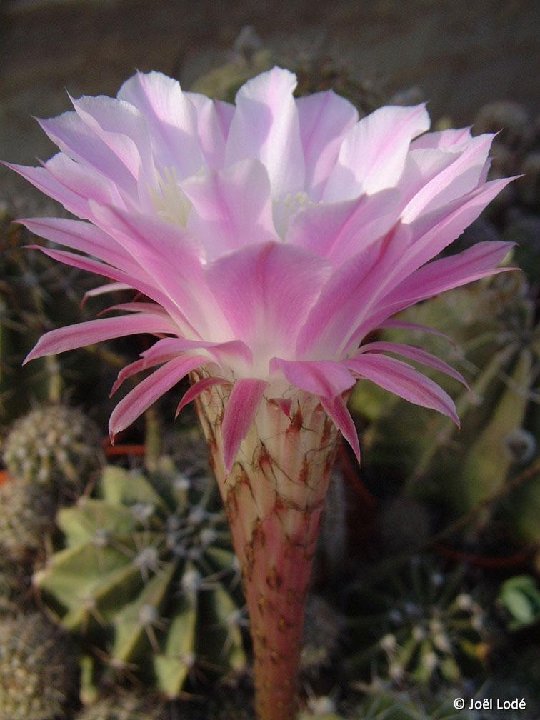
x,y
493,324
146,575
419,626
124,706
54,446
38,677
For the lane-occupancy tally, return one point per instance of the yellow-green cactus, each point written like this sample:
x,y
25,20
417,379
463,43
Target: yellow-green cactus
x,y
148,576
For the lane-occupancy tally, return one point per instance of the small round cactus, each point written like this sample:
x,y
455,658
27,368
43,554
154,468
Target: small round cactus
x,y
124,706
422,624
55,446
26,518
37,669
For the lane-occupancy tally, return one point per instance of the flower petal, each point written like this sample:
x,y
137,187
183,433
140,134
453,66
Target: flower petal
x,y
230,208
149,390
120,127
413,353
478,261
196,389
265,127
324,118
239,414
455,180
168,257
171,119
265,292
337,411
337,231
213,122
403,380
93,331
80,143
323,378
374,151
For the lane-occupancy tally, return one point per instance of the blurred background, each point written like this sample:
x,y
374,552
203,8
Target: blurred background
x,y
460,53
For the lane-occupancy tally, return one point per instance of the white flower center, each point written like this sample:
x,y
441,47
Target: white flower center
x,y
170,202
286,208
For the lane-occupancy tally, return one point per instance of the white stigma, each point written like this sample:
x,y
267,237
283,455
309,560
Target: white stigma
x,y
286,208
169,200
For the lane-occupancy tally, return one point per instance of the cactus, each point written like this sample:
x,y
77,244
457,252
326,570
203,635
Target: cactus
x,y
37,669
124,706
26,518
520,597
498,337
147,575
29,293
12,586
421,624
385,706
54,446
323,628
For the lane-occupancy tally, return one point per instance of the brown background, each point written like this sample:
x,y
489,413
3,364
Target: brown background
x,y
462,53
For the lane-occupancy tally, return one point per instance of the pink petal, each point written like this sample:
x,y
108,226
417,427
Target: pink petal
x,y
433,232
149,390
94,331
373,153
196,389
104,289
337,411
239,414
99,268
128,371
403,380
80,143
171,119
213,121
324,118
83,236
453,140
167,256
74,199
455,180
225,354
339,230
120,127
265,292
352,302
478,261
231,208
323,378
265,127
413,353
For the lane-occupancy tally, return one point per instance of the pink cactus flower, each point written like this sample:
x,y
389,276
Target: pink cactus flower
x,y
269,239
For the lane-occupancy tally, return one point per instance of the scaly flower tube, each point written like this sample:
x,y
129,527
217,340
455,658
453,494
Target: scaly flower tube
x,y
265,241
